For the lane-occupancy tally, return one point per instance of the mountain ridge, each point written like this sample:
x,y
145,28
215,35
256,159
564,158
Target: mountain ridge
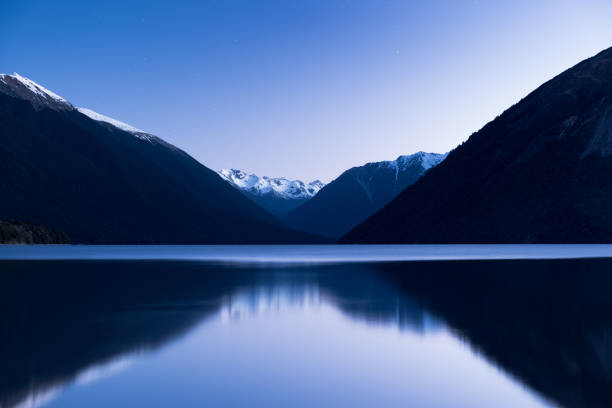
x,y
101,184
535,174
23,88
277,195
359,192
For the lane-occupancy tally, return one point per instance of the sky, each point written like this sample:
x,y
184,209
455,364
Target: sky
x,y
300,88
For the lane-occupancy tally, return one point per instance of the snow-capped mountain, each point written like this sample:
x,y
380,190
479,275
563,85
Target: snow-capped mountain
x,y
40,97
23,88
141,134
100,180
420,159
358,193
277,195
538,173
289,189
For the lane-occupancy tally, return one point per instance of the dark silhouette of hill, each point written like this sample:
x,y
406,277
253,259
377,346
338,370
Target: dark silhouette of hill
x,y
539,173
101,184
358,193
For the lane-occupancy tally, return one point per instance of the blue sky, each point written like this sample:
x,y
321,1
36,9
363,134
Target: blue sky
x,y
302,89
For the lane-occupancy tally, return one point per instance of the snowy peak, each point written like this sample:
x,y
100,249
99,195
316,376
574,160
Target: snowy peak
x,y
288,189
423,159
364,190
427,160
116,123
40,97
316,185
405,169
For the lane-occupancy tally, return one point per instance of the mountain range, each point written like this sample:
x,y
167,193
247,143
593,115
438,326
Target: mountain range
x,y
101,181
538,173
276,195
358,193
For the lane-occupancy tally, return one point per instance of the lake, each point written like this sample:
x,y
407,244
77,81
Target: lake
x,y
312,326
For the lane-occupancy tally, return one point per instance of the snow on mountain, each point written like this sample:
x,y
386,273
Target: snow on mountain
x,y
40,97
429,160
102,118
426,160
116,123
358,193
423,159
34,87
288,189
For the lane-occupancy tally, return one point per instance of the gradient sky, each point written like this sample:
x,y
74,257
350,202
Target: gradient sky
x,y
302,89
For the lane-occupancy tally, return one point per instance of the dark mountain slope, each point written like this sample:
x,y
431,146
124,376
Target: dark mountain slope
x,y
358,193
274,204
540,172
100,184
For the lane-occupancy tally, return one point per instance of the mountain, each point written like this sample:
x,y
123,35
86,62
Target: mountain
x,y
101,181
358,193
23,88
277,195
141,134
539,173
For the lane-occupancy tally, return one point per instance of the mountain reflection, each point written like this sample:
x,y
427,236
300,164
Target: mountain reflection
x,y
547,323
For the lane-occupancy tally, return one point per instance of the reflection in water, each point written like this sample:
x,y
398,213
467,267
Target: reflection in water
x,y
119,333
39,398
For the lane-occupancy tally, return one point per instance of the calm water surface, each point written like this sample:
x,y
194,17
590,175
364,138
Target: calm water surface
x,y
309,326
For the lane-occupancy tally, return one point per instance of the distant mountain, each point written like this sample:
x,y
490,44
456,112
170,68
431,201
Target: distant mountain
x,y
358,193
539,173
277,195
102,181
